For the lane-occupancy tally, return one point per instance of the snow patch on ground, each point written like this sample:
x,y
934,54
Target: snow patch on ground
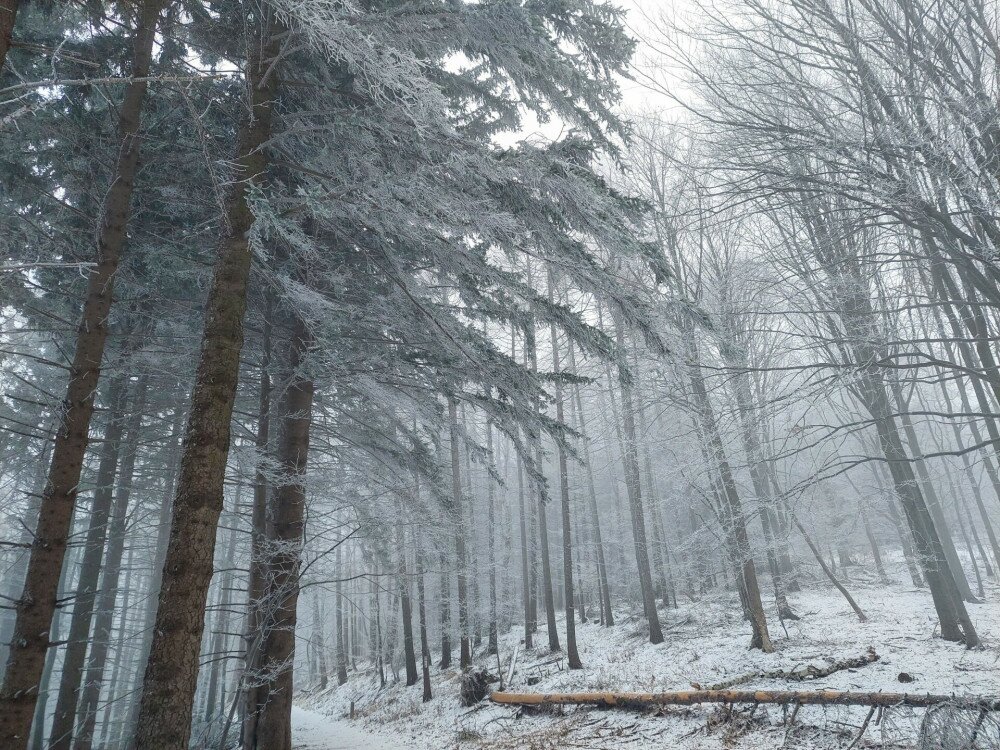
x,y
314,731
706,642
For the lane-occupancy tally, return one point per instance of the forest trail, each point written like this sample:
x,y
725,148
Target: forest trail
x,y
313,731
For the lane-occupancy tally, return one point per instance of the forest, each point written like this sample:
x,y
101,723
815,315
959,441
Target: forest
x,y
503,374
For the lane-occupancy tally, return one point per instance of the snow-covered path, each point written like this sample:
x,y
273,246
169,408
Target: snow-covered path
x,y
313,731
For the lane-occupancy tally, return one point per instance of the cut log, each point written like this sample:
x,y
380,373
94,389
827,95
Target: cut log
x,y
786,697
800,675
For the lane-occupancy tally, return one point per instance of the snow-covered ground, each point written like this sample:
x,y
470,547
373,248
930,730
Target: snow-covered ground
x,y
706,642
314,731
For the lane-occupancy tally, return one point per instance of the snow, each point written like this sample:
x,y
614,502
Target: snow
x,y
314,731
706,642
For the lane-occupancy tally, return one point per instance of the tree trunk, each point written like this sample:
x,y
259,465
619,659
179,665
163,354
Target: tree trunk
x,y
156,573
425,649
319,639
253,634
101,639
214,707
341,634
931,499
829,573
905,541
444,596
873,543
859,321
730,505
409,655
630,458
761,487
209,705
465,659
37,603
955,622
569,597
975,535
652,499
172,670
64,720
607,617
116,707
286,526
492,646
539,487
525,571
972,555
472,558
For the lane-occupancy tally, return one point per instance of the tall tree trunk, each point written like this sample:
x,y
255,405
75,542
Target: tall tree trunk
x,y
539,487
115,708
465,659
375,623
64,720
493,645
286,526
526,592
406,608
659,549
101,640
214,708
425,649
156,573
444,597
630,458
761,486
730,503
319,638
607,617
905,541
472,558
829,572
569,597
975,535
873,543
931,498
955,622
391,629
253,634
37,603
616,422
172,671
972,555
341,634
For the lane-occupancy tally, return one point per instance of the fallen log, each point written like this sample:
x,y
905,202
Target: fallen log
x,y
809,672
786,697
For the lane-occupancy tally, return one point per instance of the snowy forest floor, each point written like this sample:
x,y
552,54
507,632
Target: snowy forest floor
x,y
706,642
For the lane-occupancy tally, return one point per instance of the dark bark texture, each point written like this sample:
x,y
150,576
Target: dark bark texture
x,y
37,603
172,670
